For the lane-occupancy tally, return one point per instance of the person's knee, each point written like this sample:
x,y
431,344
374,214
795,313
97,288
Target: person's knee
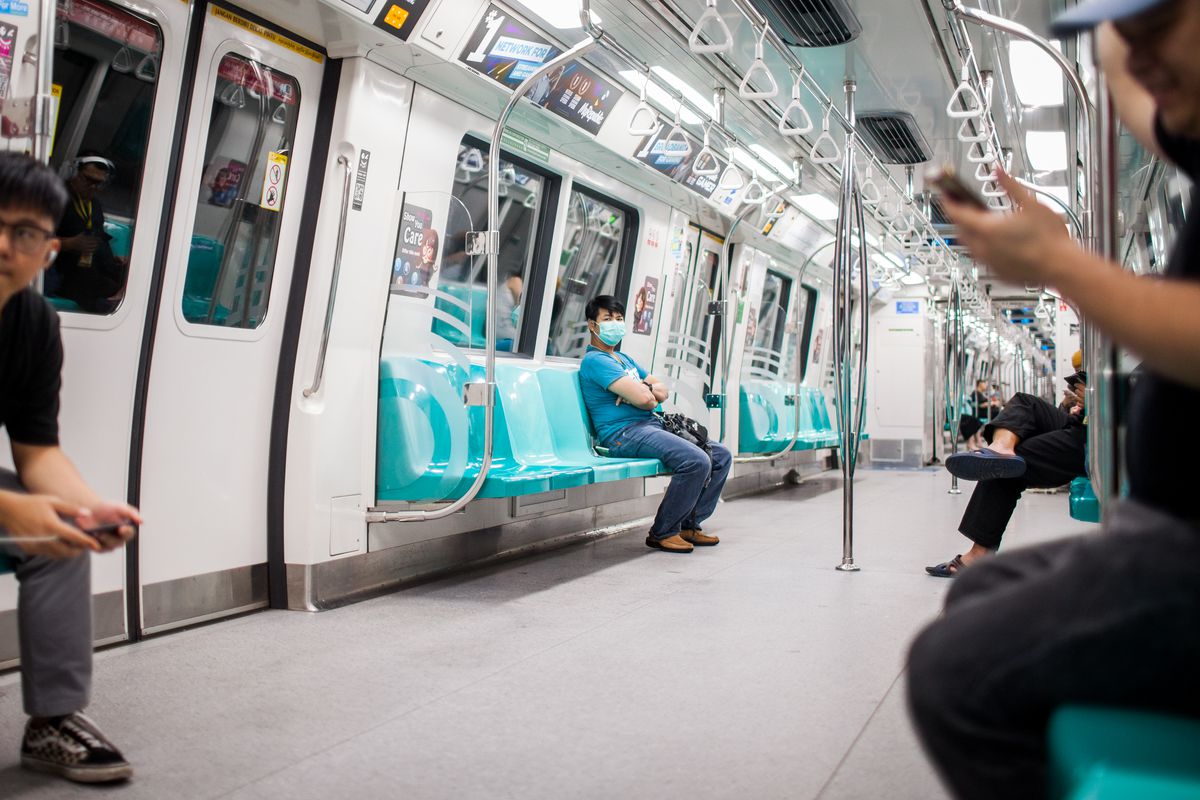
x,y
693,462
722,459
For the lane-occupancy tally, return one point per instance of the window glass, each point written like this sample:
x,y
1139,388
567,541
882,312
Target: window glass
x,y
590,266
241,195
770,325
105,73
465,277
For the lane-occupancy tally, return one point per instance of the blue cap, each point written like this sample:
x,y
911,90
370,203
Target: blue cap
x,y
1090,13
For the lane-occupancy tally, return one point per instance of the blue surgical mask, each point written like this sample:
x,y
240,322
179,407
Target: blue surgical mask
x,y
612,331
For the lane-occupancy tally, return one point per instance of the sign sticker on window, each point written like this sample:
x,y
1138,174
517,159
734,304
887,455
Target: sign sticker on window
x,y
273,178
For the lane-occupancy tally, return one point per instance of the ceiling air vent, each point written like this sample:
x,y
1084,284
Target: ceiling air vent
x,y
811,23
895,137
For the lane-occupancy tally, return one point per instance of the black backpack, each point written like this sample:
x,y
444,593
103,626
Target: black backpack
x,y
687,429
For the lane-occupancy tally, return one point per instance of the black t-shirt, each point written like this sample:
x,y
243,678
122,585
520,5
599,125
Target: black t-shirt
x,y
1160,472
31,357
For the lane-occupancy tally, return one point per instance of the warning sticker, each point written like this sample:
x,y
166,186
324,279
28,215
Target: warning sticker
x,y
273,178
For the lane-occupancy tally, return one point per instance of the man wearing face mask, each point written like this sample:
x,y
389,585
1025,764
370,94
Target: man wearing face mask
x,y
621,397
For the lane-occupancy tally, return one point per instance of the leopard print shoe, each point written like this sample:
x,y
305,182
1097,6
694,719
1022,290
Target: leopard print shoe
x,y
73,747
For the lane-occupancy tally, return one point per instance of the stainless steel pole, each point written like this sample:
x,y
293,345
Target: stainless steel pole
x,y
846,215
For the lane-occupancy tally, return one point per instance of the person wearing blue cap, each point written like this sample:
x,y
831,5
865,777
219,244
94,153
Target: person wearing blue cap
x,y
1108,619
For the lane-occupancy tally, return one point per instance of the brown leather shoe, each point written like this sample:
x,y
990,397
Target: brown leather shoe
x,y
671,544
698,538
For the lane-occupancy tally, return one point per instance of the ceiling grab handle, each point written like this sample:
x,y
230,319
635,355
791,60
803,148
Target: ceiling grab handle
x,y
706,152
711,17
868,190
732,178
981,153
984,172
745,89
678,136
755,193
968,95
967,137
796,107
832,153
993,189
644,121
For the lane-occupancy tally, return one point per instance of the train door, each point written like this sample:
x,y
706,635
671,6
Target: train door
x,y
693,339
216,348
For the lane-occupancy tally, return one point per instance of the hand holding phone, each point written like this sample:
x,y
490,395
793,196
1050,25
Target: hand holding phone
x,y
947,182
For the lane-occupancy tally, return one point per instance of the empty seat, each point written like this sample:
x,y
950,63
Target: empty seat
x,y
471,309
1119,754
1085,507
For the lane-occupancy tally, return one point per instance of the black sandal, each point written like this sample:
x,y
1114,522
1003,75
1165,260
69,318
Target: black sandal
x,y
947,569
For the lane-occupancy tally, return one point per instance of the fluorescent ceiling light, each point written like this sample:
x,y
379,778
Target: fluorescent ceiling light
x,y
1035,74
895,259
665,100
817,206
912,279
754,165
691,95
560,14
775,162
1047,150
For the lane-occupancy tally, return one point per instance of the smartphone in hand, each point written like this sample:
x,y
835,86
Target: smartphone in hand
x,y
947,182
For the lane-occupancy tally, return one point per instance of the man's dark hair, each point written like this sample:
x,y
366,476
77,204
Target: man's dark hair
x,y
605,301
31,185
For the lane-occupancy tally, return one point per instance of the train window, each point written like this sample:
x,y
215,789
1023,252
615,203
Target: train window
x,y
596,259
770,326
806,314
241,195
523,218
105,73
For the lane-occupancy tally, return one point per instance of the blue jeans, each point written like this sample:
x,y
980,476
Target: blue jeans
x,y
697,480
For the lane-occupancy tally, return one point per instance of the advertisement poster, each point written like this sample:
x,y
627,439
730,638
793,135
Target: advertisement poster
x,y
508,51
223,179
416,252
670,156
8,43
643,307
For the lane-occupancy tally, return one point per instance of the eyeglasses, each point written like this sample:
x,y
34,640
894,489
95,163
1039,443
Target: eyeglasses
x,y
26,239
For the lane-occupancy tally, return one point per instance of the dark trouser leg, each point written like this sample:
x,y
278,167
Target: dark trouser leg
x,y
722,461
1051,459
1027,416
1109,619
54,613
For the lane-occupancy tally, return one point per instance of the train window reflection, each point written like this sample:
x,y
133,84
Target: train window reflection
x,y
770,326
105,71
463,277
594,249
241,195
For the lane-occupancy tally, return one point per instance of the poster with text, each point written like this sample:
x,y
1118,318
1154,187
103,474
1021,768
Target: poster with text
x,y
643,307
416,252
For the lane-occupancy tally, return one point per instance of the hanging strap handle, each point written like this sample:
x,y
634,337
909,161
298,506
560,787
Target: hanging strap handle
x,y
805,123
973,105
825,150
706,156
644,121
711,17
745,90
678,135
868,190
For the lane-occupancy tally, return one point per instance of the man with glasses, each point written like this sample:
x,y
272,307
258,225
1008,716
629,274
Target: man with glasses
x,y
50,519
87,272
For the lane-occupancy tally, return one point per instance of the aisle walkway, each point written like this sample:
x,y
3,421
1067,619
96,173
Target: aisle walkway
x,y
605,670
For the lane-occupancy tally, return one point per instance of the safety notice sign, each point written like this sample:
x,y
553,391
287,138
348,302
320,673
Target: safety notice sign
x,y
273,178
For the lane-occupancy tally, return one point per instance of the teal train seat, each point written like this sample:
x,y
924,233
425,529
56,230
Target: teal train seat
x,y
5,564
204,264
430,445
767,421
63,304
572,431
1119,754
1084,505
121,242
471,309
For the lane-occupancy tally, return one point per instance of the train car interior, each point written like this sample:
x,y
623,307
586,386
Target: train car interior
x,y
328,332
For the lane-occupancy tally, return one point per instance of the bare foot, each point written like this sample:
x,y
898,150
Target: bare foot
x,y
974,554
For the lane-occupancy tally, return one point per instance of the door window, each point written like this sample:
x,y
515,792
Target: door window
x,y
106,64
592,263
242,192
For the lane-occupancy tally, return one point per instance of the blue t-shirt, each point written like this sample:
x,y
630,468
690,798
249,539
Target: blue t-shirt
x,y
597,372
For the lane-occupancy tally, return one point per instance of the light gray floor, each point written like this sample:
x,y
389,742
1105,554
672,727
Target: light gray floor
x,y
749,670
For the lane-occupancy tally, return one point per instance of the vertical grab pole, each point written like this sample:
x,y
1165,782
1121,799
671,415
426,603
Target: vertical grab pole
x,y
43,99
845,262
956,376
